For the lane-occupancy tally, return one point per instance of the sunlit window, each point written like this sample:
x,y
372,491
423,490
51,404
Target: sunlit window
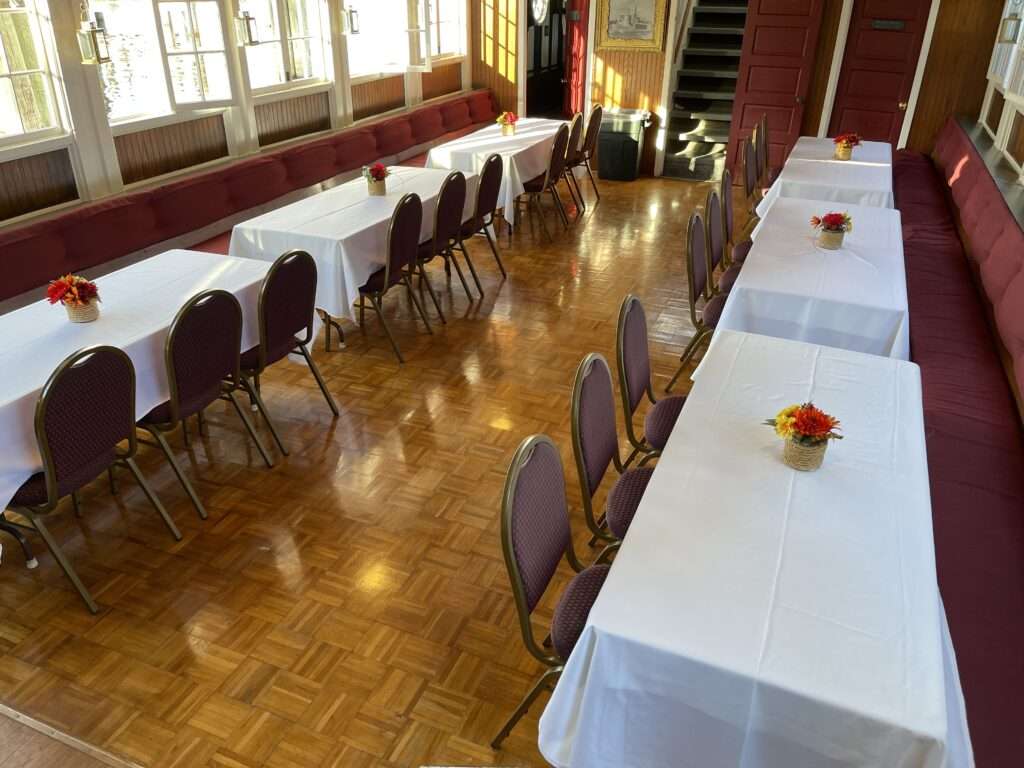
x,y
26,89
134,83
446,27
290,41
372,38
194,41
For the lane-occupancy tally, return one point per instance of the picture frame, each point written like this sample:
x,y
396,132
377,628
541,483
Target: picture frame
x,y
631,25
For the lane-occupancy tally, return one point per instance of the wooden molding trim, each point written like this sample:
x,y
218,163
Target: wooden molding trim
x,y
107,758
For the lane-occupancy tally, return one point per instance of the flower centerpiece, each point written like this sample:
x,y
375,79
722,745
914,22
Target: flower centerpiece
x,y
79,296
376,179
507,121
833,227
845,142
806,430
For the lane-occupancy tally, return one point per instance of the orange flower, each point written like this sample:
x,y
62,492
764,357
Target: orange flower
x,y
813,422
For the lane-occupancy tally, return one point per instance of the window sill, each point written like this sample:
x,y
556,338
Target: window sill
x,y
44,141
159,121
290,90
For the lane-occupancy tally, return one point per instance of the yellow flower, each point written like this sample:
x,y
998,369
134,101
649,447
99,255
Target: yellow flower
x,y
784,421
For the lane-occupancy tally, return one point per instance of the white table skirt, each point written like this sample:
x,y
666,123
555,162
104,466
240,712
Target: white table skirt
x,y
525,155
760,617
809,174
138,305
345,230
854,298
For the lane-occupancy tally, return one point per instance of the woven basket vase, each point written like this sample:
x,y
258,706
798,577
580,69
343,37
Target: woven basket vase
x,y
377,188
508,130
830,240
83,314
805,458
844,151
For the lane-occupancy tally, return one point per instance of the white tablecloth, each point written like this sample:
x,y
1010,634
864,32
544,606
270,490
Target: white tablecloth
x,y
345,230
760,617
854,298
526,154
138,305
810,174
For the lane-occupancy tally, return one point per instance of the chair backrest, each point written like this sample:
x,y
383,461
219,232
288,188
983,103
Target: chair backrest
x,y
728,217
763,133
696,261
715,228
749,170
760,147
286,306
633,354
534,518
593,129
85,409
451,202
488,189
574,149
595,441
405,226
202,350
556,166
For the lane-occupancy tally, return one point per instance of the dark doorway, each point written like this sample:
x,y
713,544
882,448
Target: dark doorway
x,y
545,65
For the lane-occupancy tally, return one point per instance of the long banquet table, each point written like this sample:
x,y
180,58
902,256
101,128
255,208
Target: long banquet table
x,y
525,154
345,230
760,616
854,298
812,173
139,303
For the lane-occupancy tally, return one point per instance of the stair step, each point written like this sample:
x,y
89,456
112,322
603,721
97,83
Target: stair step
x,y
701,50
718,115
708,137
720,8
715,29
706,94
725,74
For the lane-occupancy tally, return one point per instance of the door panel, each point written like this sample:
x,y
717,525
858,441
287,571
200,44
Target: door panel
x,y
881,56
774,74
577,24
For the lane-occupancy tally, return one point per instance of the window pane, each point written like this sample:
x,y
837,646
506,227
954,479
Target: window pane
x,y
209,35
19,43
33,97
266,66
185,78
265,13
214,70
177,27
133,80
382,42
10,122
307,59
303,18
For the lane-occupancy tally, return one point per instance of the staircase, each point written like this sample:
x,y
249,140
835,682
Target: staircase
x,y
698,124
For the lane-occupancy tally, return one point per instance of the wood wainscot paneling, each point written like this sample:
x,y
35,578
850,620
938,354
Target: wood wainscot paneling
x,y
288,118
377,96
36,182
444,79
830,13
955,76
494,29
156,151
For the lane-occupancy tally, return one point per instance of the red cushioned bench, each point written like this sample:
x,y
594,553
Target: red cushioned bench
x,y
972,424
208,204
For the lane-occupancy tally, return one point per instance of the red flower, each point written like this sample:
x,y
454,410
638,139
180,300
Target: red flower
x,y
72,290
853,139
812,422
833,222
377,172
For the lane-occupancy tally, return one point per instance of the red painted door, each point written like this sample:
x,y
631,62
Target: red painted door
x,y
878,68
775,70
577,22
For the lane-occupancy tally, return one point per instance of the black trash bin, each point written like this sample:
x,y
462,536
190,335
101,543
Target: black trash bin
x,y
621,143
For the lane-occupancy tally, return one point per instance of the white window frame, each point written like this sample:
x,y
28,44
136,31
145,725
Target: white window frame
x,y
292,83
192,106
47,52
435,29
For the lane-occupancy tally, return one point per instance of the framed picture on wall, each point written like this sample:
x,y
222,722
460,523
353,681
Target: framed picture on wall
x,y
634,25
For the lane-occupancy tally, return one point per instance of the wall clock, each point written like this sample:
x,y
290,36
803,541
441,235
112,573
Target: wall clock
x,y
539,11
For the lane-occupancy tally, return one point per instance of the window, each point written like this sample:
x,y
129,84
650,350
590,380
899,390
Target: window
x,y
446,37
27,102
272,62
194,45
399,36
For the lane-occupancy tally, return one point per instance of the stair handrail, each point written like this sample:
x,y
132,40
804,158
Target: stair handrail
x,y
684,26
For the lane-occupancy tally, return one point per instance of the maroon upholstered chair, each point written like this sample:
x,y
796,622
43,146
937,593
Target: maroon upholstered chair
x,y
757,136
202,358
635,382
535,188
586,153
399,267
750,188
716,247
535,534
573,157
698,267
85,412
447,237
736,252
595,444
285,315
487,206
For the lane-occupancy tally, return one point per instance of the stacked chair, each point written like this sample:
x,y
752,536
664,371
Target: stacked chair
x,y
487,191
535,188
586,152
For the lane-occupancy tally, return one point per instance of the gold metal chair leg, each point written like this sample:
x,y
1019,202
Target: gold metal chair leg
x,y
250,429
62,561
320,382
494,250
76,504
254,395
130,463
688,353
161,441
545,683
375,301
416,301
450,259
593,181
425,279
469,263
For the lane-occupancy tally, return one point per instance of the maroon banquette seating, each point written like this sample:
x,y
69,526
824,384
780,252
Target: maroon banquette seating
x,y
972,426
93,234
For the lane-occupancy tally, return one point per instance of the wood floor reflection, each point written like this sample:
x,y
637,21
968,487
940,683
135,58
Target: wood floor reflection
x,y
349,607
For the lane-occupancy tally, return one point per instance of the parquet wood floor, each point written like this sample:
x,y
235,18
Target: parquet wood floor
x,y
349,607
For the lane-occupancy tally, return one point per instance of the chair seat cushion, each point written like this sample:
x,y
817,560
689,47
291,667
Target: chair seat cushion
x,y
32,492
713,310
740,251
660,420
250,360
728,278
375,282
162,413
425,252
624,498
536,184
471,227
574,607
